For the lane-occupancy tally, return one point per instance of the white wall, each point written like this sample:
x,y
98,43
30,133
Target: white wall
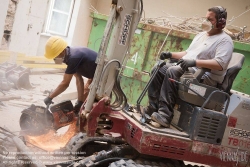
x,y
27,26
79,28
3,13
189,8
82,25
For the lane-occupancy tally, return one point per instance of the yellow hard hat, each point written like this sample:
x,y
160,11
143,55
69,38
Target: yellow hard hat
x,y
54,46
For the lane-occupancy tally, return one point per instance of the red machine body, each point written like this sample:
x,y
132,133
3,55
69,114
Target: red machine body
x,y
160,142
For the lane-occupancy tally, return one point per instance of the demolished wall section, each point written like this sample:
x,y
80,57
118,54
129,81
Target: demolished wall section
x,y
8,26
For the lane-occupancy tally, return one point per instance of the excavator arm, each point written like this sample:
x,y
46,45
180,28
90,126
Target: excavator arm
x,y
121,25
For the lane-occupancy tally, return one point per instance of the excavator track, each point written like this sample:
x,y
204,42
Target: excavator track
x,y
79,141
149,163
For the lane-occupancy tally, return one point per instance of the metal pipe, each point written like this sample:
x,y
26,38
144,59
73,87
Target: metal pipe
x,y
147,85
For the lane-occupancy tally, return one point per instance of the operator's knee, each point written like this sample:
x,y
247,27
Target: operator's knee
x,y
162,70
174,72
153,70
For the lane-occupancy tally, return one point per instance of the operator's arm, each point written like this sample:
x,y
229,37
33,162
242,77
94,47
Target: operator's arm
x,y
178,55
217,61
210,64
222,57
173,55
79,86
62,86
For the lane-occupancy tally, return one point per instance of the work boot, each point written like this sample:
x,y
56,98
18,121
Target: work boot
x,y
160,119
149,110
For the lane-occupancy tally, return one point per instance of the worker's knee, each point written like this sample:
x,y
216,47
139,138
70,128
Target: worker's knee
x,y
153,70
174,72
162,70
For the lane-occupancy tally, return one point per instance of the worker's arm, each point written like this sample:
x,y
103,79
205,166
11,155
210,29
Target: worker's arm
x,y
178,55
210,64
62,86
79,86
174,55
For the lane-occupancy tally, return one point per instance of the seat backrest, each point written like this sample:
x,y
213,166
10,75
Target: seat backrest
x,y
233,69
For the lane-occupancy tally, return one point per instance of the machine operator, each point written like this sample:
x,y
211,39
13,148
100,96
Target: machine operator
x,y
211,49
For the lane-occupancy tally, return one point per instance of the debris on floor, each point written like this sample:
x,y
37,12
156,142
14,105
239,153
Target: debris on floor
x,y
14,76
12,102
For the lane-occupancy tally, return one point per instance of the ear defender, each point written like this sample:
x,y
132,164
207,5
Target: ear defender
x,y
221,19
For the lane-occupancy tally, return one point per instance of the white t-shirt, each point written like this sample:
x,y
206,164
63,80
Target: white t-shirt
x,y
218,47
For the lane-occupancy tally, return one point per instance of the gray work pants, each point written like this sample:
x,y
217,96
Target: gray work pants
x,y
163,93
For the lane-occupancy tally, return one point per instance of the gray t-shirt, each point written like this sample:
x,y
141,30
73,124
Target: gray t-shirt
x,y
218,47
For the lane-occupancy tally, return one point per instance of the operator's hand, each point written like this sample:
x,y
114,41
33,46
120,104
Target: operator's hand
x,y
78,106
165,55
185,63
48,101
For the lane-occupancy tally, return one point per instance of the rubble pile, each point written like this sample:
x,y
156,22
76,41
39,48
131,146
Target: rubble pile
x,y
14,76
193,25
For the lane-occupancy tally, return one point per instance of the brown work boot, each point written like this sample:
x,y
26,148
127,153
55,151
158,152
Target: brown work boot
x,y
149,110
160,119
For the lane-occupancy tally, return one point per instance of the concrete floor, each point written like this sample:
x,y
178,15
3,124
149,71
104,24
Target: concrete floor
x,y
42,80
11,111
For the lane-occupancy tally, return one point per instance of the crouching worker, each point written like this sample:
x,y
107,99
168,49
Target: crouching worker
x,y
80,62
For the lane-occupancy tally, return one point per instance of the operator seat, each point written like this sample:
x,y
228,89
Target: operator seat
x,y
215,103
233,69
202,123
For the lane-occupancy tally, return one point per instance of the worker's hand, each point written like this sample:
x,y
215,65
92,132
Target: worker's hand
x,y
185,63
78,106
48,101
165,55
